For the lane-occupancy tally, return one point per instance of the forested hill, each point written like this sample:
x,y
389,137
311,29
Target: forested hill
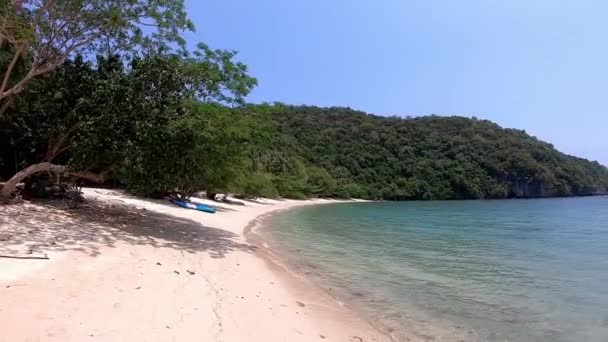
x,y
160,117
430,157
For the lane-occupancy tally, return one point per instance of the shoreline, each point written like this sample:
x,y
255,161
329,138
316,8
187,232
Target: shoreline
x,y
277,261
131,268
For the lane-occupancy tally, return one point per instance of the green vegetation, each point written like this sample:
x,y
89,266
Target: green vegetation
x,y
428,157
143,126
148,115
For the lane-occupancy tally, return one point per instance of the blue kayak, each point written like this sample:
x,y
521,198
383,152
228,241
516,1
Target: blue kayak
x,y
195,206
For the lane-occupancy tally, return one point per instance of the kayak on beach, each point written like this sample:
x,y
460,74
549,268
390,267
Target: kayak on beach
x,y
195,206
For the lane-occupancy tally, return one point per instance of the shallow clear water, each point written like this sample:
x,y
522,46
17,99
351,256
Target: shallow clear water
x,y
504,270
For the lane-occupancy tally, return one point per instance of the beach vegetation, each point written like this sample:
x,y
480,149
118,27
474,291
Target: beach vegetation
x,y
36,37
429,157
107,92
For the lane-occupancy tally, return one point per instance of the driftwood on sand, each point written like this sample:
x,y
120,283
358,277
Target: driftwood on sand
x,y
24,257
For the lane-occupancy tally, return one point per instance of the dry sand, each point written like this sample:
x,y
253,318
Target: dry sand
x,y
128,269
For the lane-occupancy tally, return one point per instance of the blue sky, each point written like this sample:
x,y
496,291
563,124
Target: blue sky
x,y
537,65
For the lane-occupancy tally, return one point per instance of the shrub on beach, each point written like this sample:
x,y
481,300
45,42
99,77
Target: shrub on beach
x,y
258,185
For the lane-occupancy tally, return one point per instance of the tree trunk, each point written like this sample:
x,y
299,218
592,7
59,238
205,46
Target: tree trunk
x,y
9,187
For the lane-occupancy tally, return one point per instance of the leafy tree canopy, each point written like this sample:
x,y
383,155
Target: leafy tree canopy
x,y
348,153
36,36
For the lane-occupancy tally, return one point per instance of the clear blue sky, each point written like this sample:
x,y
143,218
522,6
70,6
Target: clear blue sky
x,y
538,65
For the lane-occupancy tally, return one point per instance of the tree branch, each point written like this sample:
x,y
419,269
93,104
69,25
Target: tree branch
x,y
9,70
9,187
34,71
59,146
24,257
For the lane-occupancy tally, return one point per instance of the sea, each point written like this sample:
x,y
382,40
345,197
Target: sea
x,y
493,270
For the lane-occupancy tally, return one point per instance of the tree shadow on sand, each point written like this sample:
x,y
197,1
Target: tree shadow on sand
x,y
31,229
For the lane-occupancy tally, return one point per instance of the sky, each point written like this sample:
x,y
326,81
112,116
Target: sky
x,y
537,65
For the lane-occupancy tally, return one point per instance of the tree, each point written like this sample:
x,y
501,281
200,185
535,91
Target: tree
x,y
418,158
214,76
257,184
194,143
42,34
322,183
47,32
198,151
144,122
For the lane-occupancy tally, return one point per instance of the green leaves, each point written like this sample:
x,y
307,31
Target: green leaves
x,y
145,122
45,33
165,119
214,76
422,158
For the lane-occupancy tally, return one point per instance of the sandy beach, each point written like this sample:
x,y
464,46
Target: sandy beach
x,y
121,268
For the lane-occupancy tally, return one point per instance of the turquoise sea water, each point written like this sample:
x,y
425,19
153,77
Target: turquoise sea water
x,y
503,270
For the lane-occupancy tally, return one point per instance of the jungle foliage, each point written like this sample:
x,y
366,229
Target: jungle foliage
x,y
431,157
88,95
162,124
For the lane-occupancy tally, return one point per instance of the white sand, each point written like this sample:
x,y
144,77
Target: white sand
x,y
127,269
